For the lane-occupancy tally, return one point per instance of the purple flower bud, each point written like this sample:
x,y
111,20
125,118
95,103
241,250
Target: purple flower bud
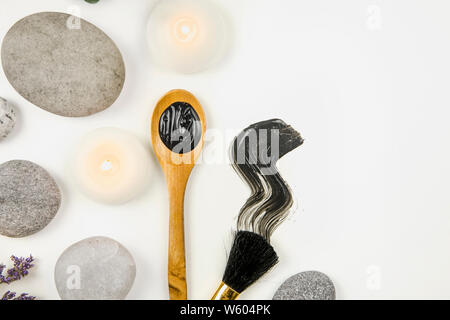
x,y
19,270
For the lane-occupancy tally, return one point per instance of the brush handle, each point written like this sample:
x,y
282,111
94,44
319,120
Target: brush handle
x,y
224,292
177,177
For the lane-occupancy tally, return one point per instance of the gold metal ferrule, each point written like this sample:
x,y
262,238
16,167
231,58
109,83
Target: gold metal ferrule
x,y
225,293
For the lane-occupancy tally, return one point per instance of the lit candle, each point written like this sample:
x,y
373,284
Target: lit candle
x,y
111,165
186,35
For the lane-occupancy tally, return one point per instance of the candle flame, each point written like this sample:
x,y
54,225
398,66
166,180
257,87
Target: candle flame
x,y
185,29
106,165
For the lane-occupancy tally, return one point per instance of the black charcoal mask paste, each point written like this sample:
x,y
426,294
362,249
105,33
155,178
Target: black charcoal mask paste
x,y
180,128
254,154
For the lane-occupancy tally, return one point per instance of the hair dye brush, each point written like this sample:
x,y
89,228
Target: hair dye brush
x,y
254,153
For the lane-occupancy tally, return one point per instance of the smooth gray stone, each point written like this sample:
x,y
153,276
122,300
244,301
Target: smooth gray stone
x,y
8,118
29,198
97,268
63,64
309,285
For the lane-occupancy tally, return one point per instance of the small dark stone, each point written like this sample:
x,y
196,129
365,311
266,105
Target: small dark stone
x,y
309,285
7,118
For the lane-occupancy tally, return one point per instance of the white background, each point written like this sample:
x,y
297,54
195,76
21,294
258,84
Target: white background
x,y
366,82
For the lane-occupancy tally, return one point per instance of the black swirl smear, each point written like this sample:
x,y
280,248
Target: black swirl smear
x,y
254,154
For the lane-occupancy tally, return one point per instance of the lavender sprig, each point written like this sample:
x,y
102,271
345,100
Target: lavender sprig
x,y
18,271
12,296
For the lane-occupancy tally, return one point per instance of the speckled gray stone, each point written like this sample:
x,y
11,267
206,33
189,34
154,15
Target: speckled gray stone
x,y
29,198
7,118
309,285
63,64
96,268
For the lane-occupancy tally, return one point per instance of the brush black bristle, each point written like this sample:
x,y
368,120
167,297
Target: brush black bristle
x,y
251,256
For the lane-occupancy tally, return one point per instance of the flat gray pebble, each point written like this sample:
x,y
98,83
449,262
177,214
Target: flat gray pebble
x,y
308,285
7,118
29,198
63,64
96,268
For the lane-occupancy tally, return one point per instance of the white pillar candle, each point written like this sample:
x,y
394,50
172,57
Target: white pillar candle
x,y
111,166
186,35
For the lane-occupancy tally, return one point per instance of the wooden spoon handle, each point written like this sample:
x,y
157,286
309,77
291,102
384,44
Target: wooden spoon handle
x,y
177,177
177,257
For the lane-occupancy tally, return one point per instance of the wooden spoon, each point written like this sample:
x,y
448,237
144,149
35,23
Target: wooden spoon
x,y
172,114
